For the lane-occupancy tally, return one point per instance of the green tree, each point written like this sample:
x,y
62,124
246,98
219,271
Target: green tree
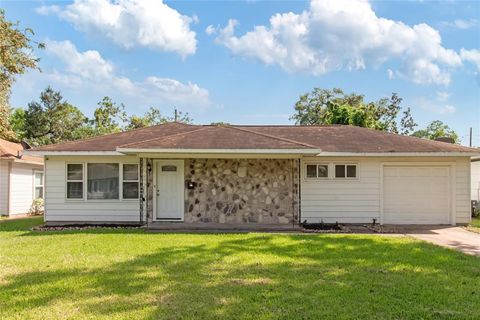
x,y
108,117
436,129
324,106
52,119
153,117
17,123
16,57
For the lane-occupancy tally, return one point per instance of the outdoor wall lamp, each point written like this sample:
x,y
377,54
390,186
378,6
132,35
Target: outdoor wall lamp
x,y
149,167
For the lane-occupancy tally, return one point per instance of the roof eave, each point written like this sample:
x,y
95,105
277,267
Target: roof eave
x,y
70,153
305,151
400,154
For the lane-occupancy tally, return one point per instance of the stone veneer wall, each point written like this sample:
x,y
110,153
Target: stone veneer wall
x,y
238,191
242,191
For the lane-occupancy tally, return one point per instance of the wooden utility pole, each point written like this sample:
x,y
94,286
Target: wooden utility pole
x,y
470,137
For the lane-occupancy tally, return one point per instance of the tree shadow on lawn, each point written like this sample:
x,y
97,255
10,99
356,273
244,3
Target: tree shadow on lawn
x,y
261,277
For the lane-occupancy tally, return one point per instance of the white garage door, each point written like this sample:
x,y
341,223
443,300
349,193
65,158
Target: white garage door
x,y
416,195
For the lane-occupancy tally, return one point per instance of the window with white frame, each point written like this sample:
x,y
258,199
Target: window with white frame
x,y
346,171
314,171
74,181
103,181
130,181
38,184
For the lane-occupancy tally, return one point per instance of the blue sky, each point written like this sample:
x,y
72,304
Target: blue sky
x,y
247,62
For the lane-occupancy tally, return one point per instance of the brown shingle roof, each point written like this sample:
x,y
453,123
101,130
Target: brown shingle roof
x,y
224,137
332,138
13,151
111,141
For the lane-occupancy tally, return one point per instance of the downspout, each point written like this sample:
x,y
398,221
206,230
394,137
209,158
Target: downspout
x,y
299,191
142,195
147,187
9,186
293,193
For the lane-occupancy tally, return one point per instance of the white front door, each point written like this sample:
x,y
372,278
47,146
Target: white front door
x,y
169,189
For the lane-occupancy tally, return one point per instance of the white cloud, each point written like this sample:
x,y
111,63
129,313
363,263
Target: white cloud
x,y
130,23
463,24
210,30
88,64
442,95
90,73
344,34
438,104
46,10
472,56
390,74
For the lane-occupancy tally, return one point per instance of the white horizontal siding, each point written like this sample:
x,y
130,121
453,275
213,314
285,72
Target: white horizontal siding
x,y
21,187
463,191
58,208
475,167
359,201
353,201
4,187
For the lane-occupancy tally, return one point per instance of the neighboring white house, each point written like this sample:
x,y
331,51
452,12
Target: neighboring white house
x,y
475,167
264,175
21,179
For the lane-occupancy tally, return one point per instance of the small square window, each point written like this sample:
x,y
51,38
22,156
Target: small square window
x,y
75,171
311,170
351,171
322,170
339,171
74,190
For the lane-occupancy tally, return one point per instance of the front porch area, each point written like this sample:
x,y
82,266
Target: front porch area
x,y
220,194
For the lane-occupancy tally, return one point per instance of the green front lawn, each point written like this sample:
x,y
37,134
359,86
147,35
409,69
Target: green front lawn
x,y
129,274
474,225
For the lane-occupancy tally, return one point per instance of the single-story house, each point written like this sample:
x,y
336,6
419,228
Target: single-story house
x,y
21,179
261,175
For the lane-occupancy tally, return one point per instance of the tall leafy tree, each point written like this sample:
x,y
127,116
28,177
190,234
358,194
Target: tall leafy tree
x,y
17,123
436,129
52,119
325,106
153,117
16,57
109,116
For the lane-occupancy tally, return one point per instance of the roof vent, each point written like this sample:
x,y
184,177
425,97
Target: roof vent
x,y
445,139
25,145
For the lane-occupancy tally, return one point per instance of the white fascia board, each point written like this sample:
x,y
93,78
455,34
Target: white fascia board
x,y
28,162
398,154
221,151
71,153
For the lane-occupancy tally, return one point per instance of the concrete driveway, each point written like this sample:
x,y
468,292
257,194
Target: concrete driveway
x,y
451,237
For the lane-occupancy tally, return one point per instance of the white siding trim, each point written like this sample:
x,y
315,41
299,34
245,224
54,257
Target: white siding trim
x,y
58,209
360,201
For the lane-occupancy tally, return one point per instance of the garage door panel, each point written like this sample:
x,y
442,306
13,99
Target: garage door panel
x,y
416,195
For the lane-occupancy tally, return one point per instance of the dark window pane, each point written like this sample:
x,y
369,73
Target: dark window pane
x,y
130,172
323,171
339,171
74,172
351,171
38,192
74,190
103,181
130,190
311,170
